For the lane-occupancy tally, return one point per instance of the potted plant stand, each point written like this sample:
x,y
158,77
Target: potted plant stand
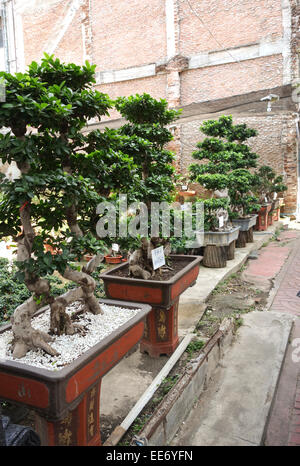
x,y
219,247
66,402
246,230
276,214
161,330
262,218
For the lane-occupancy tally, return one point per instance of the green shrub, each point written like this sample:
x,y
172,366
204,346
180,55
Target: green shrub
x,y
13,292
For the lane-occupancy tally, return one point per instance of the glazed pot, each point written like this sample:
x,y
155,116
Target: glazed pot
x,y
161,332
246,229
245,223
66,402
186,196
221,238
113,259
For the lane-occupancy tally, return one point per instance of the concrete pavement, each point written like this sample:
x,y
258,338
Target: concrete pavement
x,y
254,398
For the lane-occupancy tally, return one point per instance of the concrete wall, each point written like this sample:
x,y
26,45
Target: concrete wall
x,y
182,50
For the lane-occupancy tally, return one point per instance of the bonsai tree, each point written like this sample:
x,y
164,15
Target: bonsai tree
x,y
155,179
226,163
214,209
267,184
64,174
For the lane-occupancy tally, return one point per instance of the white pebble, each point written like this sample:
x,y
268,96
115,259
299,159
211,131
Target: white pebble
x,y
70,347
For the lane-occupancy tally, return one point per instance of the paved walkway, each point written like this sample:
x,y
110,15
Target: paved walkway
x,y
230,413
284,423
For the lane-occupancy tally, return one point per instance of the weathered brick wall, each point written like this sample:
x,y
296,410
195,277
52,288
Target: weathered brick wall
x,y
156,86
196,51
128,34
216,82
231,22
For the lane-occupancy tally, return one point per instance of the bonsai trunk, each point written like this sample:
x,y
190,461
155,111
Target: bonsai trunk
x,y
25,336
140,261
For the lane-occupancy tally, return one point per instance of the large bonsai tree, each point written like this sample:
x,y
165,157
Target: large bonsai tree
x,y
64,174
226,162
147,128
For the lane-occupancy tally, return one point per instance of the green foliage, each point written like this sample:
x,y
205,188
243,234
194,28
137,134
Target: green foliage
x,y
226,161
65,172
144,109
152,177
267,183
14,292
211,206
194,346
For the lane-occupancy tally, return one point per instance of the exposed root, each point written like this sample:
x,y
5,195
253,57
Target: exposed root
x,y
25,336
140,261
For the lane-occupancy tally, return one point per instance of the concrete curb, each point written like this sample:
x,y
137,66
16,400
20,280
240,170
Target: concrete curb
x,y
176,405
174,408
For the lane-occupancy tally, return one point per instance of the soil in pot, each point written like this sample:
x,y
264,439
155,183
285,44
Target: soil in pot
x,y
167,274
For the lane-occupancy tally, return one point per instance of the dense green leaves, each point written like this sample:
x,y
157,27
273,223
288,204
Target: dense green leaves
x,y
144,109
226,162
267,183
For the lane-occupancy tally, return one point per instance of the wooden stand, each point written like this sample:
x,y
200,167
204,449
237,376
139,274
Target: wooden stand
x,y
250,235
161,332
230,250
81,427
215,256
242,239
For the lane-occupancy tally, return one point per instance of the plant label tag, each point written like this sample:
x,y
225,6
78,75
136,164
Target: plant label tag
x,y
158,257
275,196
184,188
115,247
221,221
266,199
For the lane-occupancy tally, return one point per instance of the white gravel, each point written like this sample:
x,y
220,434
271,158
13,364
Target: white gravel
x,y
70,347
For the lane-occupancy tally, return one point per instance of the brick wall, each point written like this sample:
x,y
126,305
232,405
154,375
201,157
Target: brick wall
x,y
128,34
215,82
232,23
183,50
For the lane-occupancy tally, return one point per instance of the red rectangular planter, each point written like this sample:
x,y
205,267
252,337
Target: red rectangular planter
x,y
67,401
161,333
158,293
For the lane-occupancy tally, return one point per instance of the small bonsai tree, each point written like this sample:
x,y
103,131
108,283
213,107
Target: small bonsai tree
x,y
227,160
267,184
156,178
64,174
215,213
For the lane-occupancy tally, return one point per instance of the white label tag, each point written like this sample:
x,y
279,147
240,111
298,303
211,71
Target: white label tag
x,y
275,196
221,221
266,199
184,188
115,247
158,257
